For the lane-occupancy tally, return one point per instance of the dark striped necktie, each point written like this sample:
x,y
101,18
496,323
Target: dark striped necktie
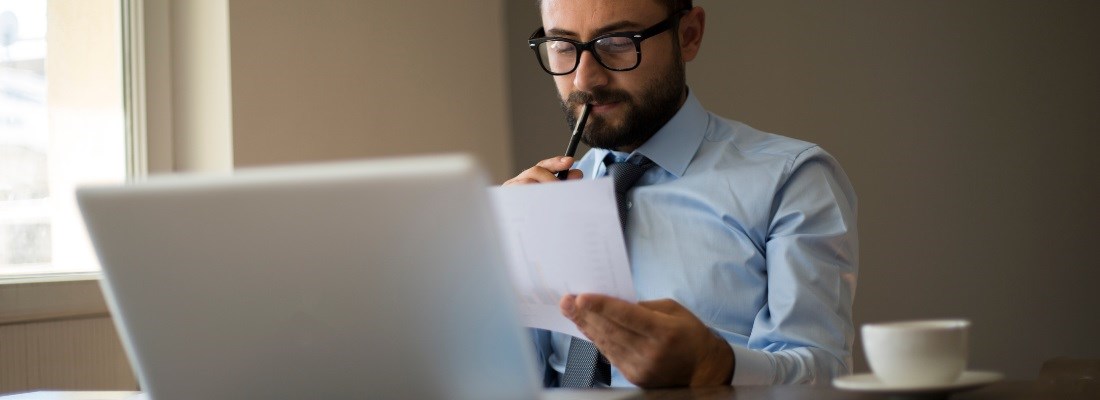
x,y
585,366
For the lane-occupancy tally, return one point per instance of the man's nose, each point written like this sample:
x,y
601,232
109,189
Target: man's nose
x,y
589,74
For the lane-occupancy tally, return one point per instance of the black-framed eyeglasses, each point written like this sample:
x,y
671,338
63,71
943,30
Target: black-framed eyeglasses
x,y
618,51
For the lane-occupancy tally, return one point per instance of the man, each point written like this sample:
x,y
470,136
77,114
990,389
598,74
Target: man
x,y
742,244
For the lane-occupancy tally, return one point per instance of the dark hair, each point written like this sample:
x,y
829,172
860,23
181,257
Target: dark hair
x,y
672,5
678,5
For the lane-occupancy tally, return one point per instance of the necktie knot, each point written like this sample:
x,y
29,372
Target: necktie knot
x,y
625,175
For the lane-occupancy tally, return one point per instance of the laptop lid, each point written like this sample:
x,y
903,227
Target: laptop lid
x,y
371,279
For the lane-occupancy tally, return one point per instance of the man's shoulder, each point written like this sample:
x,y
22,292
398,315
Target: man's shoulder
x,y
751,142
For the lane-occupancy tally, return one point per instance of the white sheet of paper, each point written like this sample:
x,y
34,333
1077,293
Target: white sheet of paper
x,y
560,238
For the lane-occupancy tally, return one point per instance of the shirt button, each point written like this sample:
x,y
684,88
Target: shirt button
x,y
629,205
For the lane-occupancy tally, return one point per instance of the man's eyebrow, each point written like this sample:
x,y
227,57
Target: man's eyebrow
x,y
612,27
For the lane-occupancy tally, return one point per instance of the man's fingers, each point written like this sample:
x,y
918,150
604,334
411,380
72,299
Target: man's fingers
x,y
589,320
555,164
664,306
539,174
546,171
622,348
630,316
618,344
519,180
532,175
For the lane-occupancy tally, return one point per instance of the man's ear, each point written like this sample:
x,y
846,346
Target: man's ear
x,y
691,33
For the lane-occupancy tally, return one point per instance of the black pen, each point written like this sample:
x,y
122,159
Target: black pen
x,y
575,139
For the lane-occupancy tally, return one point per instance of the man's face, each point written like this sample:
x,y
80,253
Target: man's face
x,y
628,106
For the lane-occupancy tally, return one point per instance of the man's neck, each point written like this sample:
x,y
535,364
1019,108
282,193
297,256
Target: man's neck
x,y
630,148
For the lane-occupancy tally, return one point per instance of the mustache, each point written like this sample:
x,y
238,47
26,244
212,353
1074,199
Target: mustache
x,y
602,96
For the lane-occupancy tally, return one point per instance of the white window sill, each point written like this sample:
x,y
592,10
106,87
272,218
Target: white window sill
x,y
52,277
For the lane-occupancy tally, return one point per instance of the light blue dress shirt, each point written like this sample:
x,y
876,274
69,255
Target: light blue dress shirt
x,y
755,233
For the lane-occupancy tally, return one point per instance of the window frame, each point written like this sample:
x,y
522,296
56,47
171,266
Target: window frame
x,y
136,99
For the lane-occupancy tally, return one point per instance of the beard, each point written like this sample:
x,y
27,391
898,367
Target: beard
x,y
644,115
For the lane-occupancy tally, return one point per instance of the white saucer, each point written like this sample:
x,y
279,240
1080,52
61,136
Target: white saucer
x,y
869,383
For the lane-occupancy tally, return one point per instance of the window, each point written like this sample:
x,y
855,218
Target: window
x,y
61,125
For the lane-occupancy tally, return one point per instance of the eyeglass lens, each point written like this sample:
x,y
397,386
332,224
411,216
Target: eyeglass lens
x,y
613,52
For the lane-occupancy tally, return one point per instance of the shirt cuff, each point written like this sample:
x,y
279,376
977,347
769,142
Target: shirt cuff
x,y
752,367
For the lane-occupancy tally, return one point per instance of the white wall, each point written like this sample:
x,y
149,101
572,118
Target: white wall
x,y
968,129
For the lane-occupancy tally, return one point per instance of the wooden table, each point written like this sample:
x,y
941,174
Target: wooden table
x,y
1005,390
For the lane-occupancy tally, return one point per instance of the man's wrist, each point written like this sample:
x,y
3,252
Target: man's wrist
x,y
717,366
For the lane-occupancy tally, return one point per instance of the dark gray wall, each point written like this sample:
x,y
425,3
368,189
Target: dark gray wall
x,y
969,129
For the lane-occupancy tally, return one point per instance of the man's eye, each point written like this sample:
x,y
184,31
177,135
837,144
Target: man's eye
x,y
615,45
561,47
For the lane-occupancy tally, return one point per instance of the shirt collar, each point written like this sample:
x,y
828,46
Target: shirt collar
x,y
675,144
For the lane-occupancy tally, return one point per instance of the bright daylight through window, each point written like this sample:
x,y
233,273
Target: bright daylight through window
x,y
61,125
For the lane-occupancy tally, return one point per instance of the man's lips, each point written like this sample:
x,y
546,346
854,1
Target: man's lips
x,y
604,107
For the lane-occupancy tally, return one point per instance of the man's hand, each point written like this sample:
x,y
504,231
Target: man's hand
x,y
544,172
653,343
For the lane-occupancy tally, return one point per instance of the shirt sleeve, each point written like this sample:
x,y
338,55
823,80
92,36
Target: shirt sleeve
x,y
804,333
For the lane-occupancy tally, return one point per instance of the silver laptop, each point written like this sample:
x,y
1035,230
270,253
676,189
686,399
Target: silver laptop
x,y
372,279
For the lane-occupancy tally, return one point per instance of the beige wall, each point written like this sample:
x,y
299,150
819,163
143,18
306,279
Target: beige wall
x,y
967,127
58,335
71,354
336,79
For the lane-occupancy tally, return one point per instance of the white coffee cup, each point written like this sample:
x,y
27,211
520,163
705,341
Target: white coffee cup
x,y
917,353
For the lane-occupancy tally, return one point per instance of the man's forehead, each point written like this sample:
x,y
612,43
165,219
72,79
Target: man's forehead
x,y
583,18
